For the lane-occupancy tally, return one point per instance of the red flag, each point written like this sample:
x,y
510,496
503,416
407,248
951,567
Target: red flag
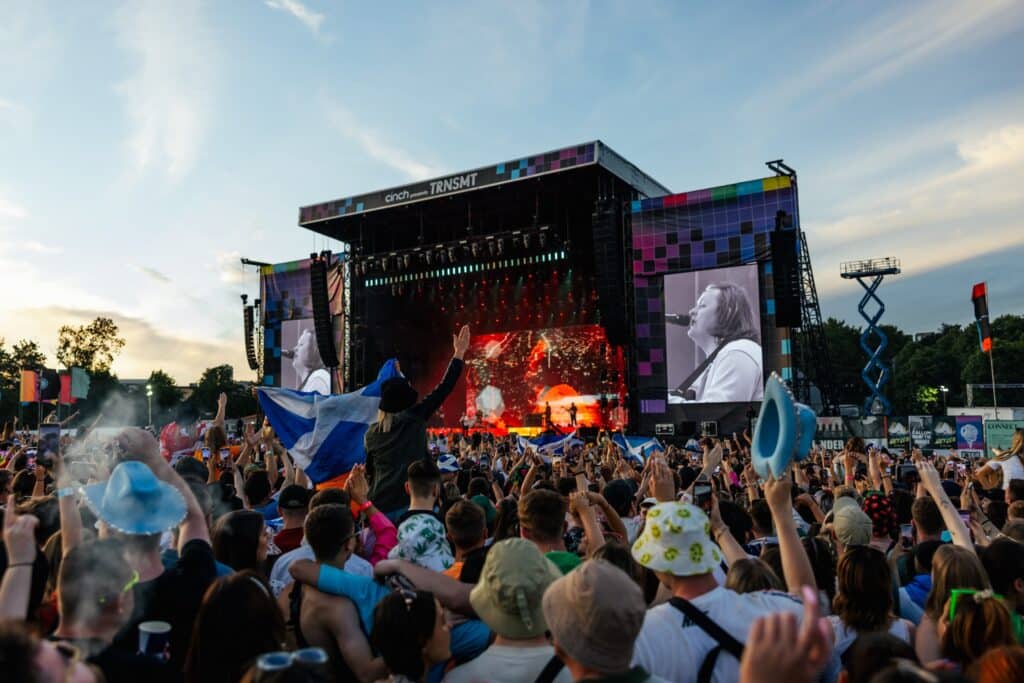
x,y
65,389
979,295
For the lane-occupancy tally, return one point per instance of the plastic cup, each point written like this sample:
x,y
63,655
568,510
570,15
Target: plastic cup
x,y
155,639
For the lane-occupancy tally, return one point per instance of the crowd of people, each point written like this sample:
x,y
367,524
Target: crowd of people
x,y
468,559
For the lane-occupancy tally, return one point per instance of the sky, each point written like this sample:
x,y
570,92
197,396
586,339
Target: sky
x,y
145,146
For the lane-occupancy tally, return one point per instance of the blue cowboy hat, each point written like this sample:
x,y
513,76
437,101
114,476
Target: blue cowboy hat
x,y
785,430
133,501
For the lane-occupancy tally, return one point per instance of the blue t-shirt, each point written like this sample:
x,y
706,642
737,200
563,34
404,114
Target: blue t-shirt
x,y
269,511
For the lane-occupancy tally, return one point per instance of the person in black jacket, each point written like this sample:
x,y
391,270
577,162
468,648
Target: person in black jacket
x,y
400,434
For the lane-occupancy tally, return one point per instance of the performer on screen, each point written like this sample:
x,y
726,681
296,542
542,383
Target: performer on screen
x,y
310,372
572,414
547,415
722,326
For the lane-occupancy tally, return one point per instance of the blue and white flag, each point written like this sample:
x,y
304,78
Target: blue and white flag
x,y
324,434
636,447
548,444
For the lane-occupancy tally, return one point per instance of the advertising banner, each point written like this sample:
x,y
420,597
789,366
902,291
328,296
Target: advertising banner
x,y
970,434
943,434
999,434
899,434
831,433
920,431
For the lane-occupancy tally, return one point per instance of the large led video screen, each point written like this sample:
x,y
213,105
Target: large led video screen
x,y
713,336
703,234
291,357
513,377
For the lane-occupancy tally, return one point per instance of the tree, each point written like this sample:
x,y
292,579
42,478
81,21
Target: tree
x,y
220,379
166,394
93,346
27,355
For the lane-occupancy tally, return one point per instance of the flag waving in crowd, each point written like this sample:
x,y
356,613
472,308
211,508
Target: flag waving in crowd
x,y
324,434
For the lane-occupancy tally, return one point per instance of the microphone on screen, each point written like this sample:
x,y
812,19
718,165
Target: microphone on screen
x,y
681,319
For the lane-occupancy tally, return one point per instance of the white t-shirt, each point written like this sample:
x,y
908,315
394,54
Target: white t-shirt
x,y
280,578
1012,468
735,376
672,647
505,664
318,381
845,636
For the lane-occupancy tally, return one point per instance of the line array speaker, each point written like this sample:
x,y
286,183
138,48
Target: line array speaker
x,y
321,310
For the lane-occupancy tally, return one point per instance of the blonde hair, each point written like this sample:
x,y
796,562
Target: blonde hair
x,y
1016,447
752,575
384,420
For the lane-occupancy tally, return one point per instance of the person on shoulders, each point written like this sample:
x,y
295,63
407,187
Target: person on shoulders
x,y
399,436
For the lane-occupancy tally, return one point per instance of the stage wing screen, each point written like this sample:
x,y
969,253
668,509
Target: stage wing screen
x,y
713,336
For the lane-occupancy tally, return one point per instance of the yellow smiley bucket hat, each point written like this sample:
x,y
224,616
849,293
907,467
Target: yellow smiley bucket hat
x,y
677,540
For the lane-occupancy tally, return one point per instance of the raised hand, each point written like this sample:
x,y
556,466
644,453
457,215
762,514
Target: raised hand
x,y
461,342
357,485
19,535
777,494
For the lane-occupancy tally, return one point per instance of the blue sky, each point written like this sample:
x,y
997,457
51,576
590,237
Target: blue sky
x,y
144,146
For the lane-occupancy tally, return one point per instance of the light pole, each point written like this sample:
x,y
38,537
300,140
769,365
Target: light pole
x,y
945,390
149,400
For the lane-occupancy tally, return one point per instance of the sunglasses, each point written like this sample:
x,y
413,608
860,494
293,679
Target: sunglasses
x,y
959,593
279,661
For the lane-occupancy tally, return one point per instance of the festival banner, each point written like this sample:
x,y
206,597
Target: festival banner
x,y
920,431
831,433
970,435
943,434
898,434
29,386
871,429
49,385
999,434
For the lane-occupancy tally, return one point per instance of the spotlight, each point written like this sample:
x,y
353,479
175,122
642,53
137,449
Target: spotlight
x,y
384,263
475,249
407,260
428,256
501,246
492,248
526,241
543,239
452,254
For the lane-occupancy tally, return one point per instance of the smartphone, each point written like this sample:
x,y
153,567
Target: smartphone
x,y
206,454
702,495
907,535
908,474
965,516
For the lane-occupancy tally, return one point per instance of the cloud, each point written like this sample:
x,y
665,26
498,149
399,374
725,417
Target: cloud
x,y
10,209
146,347
169,96
938,218
895,42
312,20
374,145
230,268
153,274
40,248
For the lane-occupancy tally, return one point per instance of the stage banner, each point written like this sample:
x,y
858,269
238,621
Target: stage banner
x,y
831,433
898,434
970,435
871,429
943,434
999,434
291,358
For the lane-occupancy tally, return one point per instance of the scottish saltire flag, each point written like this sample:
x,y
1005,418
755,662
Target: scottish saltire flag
x,y
547,445
324,434
636,447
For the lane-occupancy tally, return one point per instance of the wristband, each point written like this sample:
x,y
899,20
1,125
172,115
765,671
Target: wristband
x,y
366,506
20,564
65,492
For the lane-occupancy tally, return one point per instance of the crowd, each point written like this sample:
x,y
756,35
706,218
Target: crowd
x,y
206,557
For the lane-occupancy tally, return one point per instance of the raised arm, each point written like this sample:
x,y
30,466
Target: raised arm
x,y
579,503
20,540
141,445
434,399
933,485
610,515
453,594
795,564
731,548
222,406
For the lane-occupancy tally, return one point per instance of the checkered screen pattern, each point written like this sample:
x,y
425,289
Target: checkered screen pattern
x,y
712,228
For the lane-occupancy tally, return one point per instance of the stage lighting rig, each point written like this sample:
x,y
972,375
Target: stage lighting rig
x,y
407,261
453,254
474,249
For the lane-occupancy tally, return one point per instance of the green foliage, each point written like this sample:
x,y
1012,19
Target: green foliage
x,y
217,380
93,346
166,394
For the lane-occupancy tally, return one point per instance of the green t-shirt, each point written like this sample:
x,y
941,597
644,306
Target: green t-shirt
x,y
565,562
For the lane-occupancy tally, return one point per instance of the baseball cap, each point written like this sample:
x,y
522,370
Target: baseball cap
x,y
294,497
851,525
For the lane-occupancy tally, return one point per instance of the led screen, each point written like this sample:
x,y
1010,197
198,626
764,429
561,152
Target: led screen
x,y
514,376
713,336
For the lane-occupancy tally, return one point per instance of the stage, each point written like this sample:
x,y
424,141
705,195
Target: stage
x,y
575,271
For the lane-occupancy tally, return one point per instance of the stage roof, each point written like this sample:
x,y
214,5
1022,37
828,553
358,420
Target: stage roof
x,y
331,218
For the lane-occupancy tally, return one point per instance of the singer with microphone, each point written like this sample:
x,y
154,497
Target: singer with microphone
x,y
722,326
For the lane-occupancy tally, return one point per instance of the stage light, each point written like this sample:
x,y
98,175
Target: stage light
x,y
526,241
501,246
429,257
492,247
543,239
452,254
407,260
474,249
